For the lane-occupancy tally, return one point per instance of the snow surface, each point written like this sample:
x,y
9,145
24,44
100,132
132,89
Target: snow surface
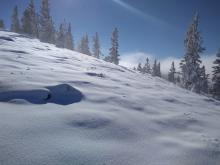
x,y
62,107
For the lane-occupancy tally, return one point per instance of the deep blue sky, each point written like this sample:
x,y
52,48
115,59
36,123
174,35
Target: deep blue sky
x,y
157,27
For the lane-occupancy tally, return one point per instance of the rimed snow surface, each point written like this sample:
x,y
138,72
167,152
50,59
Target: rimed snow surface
x,y
62,107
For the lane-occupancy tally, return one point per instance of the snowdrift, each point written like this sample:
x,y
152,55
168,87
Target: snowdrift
x,y
61,107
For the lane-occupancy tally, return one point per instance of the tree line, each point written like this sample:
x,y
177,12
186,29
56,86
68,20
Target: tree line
x,y
192,75
41,25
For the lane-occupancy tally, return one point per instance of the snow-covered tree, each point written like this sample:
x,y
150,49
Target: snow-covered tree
x,y
158,70
204,87
190,65
26,22
46,26
114,54
84,45
139,68
171,74
2,25
216,77
69,44
96,46
154,68
15,23
60,39
147,68
33,19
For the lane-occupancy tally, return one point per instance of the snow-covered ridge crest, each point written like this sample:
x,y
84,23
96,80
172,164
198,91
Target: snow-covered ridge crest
x,y
61,107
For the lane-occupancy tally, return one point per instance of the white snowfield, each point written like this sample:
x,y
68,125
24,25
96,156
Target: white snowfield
x,y
60,107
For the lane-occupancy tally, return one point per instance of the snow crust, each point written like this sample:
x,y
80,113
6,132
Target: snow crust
x,y
62,107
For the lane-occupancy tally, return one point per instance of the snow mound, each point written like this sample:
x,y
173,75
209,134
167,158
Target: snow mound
x,y
61,107
63,94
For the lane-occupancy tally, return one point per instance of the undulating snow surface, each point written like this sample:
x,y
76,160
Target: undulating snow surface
x,y
62,107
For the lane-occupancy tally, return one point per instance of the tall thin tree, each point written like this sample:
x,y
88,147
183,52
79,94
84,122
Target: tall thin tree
x,y
114,53
216,77
190,65
171,74
96,46
15,23
46,26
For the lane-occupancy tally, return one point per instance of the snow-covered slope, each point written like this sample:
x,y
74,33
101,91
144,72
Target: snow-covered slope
x,y
62,107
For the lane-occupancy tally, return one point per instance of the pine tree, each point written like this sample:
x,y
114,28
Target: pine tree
x,y
114,54
190,65
147,68
171,75
216,77
204,81
84,46
60,37
26,23
69,38
15,23
155,69
139,68
33,20
2,25
96,46
46,27
158,70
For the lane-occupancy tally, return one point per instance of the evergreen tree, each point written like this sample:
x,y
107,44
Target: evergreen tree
x,y
204,81
114,54
155,69
60,37
190,65
69,38
139,68
216,77
84,46
158,70
15,23
96,46
33,19
46,27
147,68
2,25
26,22
171,75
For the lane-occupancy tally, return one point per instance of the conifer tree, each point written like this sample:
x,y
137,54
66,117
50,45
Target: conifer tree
x,y
139,68
147,68
60,36
84,46
171,75
158,70
114,54
155,69
33,19
96,46
216,77
15,23
69,44
26,22
2,25
204,81
190,65
46,27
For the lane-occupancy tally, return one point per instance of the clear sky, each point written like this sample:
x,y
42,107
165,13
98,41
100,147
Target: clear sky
x,y
156,27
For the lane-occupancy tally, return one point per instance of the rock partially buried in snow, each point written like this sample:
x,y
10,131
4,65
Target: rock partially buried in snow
x,y
63,94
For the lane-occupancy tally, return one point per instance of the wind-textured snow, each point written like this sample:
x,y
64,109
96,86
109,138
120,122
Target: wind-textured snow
x,y
62,107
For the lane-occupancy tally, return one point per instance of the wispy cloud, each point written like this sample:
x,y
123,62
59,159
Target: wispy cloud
x,y
131,60
141,14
